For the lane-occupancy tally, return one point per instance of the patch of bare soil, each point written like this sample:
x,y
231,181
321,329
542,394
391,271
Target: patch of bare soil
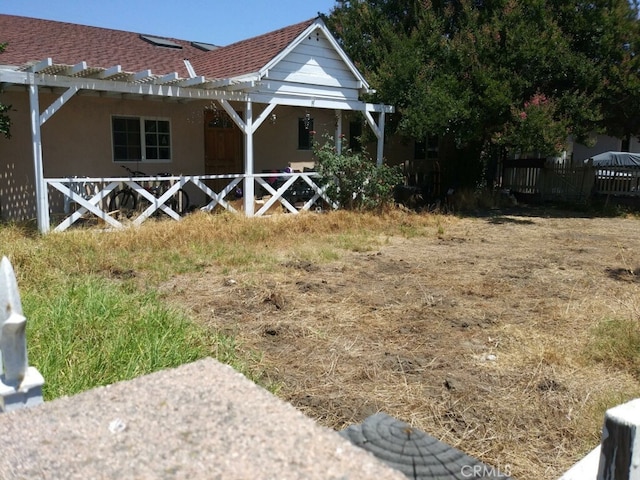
x,y
478,335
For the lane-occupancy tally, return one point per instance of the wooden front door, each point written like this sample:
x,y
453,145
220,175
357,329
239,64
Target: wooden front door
x,y
223,147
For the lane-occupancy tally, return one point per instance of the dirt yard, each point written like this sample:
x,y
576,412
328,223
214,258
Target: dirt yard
x,y
477,330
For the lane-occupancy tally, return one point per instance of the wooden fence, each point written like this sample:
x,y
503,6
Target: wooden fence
x,y
545,181
569,182
622,181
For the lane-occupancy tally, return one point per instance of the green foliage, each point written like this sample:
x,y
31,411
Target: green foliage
x,y
5,121
464,70
354,181
621,84
536,127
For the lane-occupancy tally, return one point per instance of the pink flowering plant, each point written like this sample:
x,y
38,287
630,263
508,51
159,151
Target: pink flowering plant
x,y
535,128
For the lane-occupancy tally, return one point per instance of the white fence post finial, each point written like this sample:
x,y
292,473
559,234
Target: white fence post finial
x,y
20,385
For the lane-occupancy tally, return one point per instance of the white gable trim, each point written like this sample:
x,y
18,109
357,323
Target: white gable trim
x,y
317,25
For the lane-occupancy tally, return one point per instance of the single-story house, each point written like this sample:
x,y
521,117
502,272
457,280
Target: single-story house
x,y
219,120
603,143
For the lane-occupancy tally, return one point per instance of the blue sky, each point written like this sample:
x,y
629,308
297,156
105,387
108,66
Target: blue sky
x,y
210,21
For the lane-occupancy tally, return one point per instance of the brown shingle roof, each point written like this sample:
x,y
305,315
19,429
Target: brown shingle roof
x,y
31,39
247,56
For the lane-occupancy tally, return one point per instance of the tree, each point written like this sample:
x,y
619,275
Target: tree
x,y
5,121
467,70
621,75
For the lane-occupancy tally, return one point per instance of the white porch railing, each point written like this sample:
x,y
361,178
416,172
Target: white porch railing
x,y
91,196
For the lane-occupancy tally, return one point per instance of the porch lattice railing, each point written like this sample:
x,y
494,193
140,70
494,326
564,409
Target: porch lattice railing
x,y
84,197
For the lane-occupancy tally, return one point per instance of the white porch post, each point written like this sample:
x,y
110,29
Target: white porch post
x,y
248,127
249,181
380,152
42,203
338,134
378,129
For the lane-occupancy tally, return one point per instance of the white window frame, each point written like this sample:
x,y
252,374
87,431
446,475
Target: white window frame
x,y
143,146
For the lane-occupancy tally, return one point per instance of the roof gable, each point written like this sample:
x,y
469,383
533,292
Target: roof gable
x,y
333,55
305,53
314,60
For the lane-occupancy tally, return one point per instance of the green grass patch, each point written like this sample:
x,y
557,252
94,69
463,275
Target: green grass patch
x,y
355,242
94,332
616,343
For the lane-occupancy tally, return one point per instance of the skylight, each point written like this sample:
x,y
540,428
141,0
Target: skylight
x,y
160,42
207,47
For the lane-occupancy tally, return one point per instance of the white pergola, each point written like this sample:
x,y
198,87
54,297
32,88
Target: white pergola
x,y
69,80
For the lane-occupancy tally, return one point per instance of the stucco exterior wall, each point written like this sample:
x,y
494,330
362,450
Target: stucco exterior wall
x,y
276,143
77,141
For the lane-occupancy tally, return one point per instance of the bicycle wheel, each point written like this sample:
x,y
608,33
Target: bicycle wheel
x,y
123,201
179,202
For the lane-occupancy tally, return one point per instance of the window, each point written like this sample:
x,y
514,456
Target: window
x,y
355,136
138,139
305,133
427,148
432,146
419,150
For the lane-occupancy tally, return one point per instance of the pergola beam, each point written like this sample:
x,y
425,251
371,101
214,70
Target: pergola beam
x,y
328,103
114,86
41,65
192,82
168,78
142,75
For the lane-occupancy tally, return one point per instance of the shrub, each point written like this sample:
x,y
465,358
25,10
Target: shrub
x,y
353,180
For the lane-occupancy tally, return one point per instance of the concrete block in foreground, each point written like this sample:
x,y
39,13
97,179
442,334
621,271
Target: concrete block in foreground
x,y
201,420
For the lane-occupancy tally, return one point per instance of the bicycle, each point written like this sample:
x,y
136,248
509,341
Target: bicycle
x,y
126,200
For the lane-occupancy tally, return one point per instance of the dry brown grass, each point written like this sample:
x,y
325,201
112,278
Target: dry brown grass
x,y
485,332
355,314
